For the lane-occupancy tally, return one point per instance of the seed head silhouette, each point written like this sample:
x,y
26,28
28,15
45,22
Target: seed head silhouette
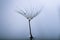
x,y
29,16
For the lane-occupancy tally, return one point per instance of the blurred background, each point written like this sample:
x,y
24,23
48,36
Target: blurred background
x,y
14,26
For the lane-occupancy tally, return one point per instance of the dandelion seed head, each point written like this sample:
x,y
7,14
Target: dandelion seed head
x,y
29,14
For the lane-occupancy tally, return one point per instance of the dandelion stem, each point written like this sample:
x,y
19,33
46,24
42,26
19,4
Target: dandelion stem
x,y
31,37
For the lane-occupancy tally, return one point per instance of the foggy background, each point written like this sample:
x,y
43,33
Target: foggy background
x,y
45,25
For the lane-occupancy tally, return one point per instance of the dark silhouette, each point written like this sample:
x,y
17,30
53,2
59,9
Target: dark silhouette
x,y
31,37
29,17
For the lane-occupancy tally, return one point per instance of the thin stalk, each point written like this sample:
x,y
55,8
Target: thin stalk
x,y
31,37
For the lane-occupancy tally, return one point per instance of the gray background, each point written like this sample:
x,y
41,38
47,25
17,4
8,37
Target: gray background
x,y
14,25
